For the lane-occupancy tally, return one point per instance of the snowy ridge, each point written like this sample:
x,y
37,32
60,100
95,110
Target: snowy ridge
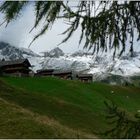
x,y
11,52
100,66
96,64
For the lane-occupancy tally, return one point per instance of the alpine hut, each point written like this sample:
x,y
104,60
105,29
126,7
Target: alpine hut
x,y
45,72
63,74
85,77
18,67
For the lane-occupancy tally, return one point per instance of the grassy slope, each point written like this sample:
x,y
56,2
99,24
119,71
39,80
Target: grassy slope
x,y
73,104
17,122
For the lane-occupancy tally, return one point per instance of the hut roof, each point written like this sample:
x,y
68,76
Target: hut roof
x,y
84,75
14,62
62,72
45,70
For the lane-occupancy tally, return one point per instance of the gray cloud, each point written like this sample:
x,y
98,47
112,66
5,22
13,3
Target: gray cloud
x,y
17,33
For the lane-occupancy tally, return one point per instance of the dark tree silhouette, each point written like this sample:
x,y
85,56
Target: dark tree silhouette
x,y
123,126
105,25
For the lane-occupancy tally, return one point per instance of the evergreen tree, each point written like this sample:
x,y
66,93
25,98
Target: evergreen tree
x,y
105,25
122,127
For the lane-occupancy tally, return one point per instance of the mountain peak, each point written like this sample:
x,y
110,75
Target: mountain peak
x,y
56,52
10,52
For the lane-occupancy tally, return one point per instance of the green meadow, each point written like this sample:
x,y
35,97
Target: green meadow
x,y
55,108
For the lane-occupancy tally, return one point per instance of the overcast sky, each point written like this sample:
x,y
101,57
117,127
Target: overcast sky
x,y
17,34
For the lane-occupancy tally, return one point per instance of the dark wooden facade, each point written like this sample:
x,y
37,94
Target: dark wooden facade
x,y
63,74
45,72
52,72
17,67
85,77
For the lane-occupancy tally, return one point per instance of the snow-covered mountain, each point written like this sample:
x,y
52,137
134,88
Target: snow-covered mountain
x,y
100,66
10,52
87,63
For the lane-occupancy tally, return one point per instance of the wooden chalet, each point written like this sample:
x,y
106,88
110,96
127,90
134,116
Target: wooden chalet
x,y
63,74
45,72
85,77
18,67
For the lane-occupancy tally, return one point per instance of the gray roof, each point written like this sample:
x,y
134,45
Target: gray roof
x,y
14,62
45,70
84,75
62,72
